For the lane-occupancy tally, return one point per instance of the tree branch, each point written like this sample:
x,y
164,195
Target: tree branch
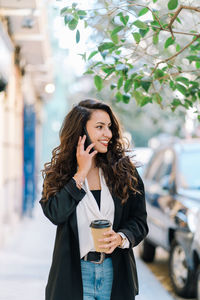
x,y
173,56
177,32
178,12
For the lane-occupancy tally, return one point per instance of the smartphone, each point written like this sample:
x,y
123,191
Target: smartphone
x,y
88,140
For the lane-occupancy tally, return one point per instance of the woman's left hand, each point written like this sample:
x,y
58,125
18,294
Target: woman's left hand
x,y
111,241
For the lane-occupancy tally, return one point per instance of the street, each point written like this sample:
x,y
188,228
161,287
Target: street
x,y
26,258
160,269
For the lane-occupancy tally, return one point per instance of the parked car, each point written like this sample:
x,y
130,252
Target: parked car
x,y
191,245
195,257
196,252
172,185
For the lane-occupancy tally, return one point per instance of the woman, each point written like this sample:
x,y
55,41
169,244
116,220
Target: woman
x,y
83,183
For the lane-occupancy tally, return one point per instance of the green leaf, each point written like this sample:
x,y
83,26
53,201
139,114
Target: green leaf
x,y
172,85
105,46
178,48
116,30
198,64
93,53
172,4
118,52
181,89
118,97
138,97
77,36
137,84
143,32
72,24
146,85
145,100
157,98
88,72
124,19
126,98
192,58
128,84
156,38
154,1
188,103
169,41
98,82
184,80
104,53
120,83
143,11
81,13
113,86
64,11
67,19
85,24
198,118
158,74
83,55
137,37
154,25
178,20
140,24
97,64
109,72
195,47
176,102
115,38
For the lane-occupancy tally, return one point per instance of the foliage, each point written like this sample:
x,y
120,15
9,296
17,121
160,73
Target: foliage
x,y
147,50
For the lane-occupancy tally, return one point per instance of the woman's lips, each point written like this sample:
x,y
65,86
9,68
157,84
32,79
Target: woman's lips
x,y
104,143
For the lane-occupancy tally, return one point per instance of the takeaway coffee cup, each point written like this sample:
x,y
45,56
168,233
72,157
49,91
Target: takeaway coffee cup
x,y
98,227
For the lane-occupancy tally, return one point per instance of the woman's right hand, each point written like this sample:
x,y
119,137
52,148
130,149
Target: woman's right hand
x,y
84,157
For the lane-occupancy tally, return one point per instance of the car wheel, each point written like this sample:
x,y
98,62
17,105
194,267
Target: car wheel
x,y
198,284
180,273
147,251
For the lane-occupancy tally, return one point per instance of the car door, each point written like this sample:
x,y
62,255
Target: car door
x,y
158,184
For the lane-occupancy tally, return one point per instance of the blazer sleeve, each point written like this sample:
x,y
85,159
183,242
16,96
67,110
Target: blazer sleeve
x,y
135,226
60,206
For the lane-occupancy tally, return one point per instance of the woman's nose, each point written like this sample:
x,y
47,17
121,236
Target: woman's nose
x,y
107,133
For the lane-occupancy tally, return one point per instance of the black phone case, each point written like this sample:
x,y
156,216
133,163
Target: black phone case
x,y
88,140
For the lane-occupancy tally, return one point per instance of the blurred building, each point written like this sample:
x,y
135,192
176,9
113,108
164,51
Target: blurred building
x,y
25,70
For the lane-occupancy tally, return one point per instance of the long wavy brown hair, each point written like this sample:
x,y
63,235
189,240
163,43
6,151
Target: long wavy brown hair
x,y
118,170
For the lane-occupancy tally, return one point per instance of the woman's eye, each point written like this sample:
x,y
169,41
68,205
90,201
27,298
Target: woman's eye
x,y
99,126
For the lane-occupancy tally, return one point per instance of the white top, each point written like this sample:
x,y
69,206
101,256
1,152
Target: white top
x,y
88,210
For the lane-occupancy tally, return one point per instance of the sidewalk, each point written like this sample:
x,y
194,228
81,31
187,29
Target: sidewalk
x,y
26,259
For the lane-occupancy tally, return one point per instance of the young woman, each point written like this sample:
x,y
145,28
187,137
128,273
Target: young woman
x,y
85,183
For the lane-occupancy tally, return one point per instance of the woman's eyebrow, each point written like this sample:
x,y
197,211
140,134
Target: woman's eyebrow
x,y
102,123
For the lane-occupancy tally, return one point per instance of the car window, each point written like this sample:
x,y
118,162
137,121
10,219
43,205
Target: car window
x,y
161,165
154,165
165,168
189,166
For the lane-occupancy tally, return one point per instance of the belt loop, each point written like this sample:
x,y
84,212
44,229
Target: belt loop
x,y
102,258
85,257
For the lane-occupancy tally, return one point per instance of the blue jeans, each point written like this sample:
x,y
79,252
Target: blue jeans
x,y
97,279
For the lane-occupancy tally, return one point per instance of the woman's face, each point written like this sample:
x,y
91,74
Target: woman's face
x,y
98,128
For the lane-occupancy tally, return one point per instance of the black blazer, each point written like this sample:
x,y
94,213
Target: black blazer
x,y
65,282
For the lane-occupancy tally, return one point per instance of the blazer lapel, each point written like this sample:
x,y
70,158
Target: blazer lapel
x,y
118,212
